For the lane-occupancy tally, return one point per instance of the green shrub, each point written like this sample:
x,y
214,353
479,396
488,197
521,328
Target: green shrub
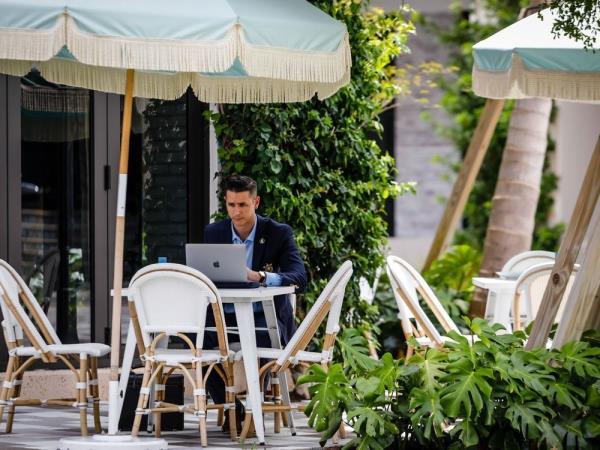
x,y
318,165
489,394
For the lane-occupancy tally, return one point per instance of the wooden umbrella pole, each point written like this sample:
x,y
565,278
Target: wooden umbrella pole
x,y
583,304
464,182
115,341
568,252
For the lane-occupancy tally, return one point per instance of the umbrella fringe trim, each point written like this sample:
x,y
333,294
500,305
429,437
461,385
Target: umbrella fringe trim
x,y
22,44
518,82
283,64
171,86
170,55
259,90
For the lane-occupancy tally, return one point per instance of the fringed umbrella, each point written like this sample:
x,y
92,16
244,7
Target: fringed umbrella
x,y
228,51
526,60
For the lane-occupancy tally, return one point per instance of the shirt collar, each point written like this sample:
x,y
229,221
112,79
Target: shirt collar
x,y
250,238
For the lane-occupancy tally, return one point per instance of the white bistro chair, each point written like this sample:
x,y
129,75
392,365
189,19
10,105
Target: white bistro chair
x,y
171,300
24,316
407,285
498,307
523,261
529,291
329,304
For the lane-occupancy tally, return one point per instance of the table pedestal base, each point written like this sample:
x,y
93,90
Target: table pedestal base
x,y
112,442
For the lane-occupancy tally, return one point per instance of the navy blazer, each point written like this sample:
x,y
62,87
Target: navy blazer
x,y
274,251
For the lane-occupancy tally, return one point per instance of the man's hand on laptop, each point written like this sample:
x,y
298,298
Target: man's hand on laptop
x,y
252,275
259,276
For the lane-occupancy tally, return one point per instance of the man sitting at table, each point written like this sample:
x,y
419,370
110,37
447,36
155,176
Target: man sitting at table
x,y
272,259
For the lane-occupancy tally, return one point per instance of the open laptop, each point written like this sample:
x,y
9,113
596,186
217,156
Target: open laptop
x,y
224,264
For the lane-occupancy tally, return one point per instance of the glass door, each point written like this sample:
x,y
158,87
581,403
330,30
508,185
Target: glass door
x,y
56,203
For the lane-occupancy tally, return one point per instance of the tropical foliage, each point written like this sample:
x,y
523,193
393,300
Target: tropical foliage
x,y
487,392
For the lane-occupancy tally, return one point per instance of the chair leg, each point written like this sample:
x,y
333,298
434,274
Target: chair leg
x,y
4,394
230,398
247,424
82,393
135,429
15,392
335,438
284,420
276,401
200,404
287,417
220,417
342,430
95,394
160,393
232,419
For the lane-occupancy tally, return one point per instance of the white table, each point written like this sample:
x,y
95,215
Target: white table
x,y
242,299
501,293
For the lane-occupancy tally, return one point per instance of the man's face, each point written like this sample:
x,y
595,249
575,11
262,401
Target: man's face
x,y
241,207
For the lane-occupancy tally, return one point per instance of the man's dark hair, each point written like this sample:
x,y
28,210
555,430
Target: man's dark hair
x,y
240,183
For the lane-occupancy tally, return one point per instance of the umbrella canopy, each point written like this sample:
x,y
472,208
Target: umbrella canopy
x,y
526,60
228,51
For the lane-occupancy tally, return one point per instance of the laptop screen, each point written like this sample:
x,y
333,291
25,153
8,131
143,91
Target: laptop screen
x,y
219,262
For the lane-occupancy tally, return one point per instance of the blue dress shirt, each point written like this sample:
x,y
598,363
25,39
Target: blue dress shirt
x,y
273,279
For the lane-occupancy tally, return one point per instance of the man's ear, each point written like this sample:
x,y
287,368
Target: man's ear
x,y
256,202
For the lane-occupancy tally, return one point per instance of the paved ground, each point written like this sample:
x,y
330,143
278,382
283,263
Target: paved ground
x,y
41,428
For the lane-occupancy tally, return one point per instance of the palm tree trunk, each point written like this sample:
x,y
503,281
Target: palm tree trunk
x,y
512,218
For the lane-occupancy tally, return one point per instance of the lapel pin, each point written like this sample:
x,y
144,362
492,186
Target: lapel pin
x,y
262,240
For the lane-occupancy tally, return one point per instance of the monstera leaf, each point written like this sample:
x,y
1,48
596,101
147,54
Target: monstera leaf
x,y
330,391
355,351
593,395
428,412
568,434
383,381
528,417
372,422
466,349
580,358
488,335
389,371
370,443
502,366
534,373
431,367
566,394
591,426
467,432
467,389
